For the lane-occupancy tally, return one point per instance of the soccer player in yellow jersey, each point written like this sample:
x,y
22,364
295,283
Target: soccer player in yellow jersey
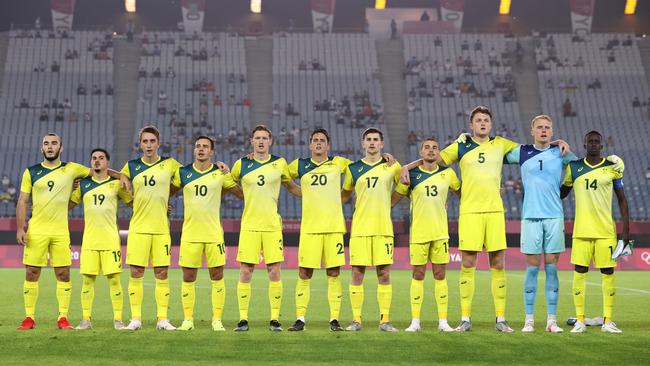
x,y
429,239
322,226
261,224
594,231
203,185
48,185
148,238
100,249
371,238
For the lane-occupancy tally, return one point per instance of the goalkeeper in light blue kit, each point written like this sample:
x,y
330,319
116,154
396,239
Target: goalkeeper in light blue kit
x,y
542,219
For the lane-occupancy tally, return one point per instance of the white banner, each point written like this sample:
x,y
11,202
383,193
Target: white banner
x,y
452,11
193,15
322,15
62,14
582,14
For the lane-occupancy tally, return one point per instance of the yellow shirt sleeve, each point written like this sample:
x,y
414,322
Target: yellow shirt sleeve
x,y
402,189
80,171
508,145
76,195
568,180
235,172
397,170
176,178
228,182
293,169
125,170
286,177
348,183
124,196
449,154
26,183
617,175
454,183
342,163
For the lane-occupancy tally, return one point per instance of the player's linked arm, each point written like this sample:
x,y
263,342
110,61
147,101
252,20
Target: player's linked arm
x,y
395,198
124,180
21,214
564,191
235,191
345,195
625,213
293,188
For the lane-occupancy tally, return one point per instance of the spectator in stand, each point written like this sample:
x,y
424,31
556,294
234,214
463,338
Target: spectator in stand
x,y
276,109
67,104
170,74
44,117
81,89
59,117
567,109
142,72
40,67
156,73
246,102
162,95
88,117
611,57
96,90
55,67
636,102
242,78
478,46
73,117
647,173
109,89
24,103
217,101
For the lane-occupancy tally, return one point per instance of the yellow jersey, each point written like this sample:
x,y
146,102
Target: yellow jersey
x,y
260,181
593,186
50,190
202,202
151,184
320,183
428,193
480,170
100,200
373,186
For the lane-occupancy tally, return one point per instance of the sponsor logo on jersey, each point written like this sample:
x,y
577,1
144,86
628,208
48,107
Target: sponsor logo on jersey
x,y
418,176
137,167
87,185
580,169
189,176
39,172
360,170
250,165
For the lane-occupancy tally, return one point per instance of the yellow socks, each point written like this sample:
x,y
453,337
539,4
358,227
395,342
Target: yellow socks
x,y
609,291
218,298
275,298
499,291
417,295
188,298
466,282
136,293
302,298
87,296
442,298
63,294
162,298
384,298
579,288
243,299
334,294
30,295
356,300
117,297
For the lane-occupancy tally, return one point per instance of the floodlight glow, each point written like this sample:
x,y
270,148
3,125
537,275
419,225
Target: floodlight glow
x,y
630,7
129,5
380,4
256,6
504,7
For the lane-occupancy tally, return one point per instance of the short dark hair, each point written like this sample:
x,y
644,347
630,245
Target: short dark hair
x,y
430,138
206,138
150,129
593,132
55,135
108,156
480,109
372,130
320,130
261,127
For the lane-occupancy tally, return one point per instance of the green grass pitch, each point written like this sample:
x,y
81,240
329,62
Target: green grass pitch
x,y
317,345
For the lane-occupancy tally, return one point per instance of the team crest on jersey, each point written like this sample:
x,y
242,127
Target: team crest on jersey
x,y
360,170
418,176
87,185
39,172
307,166
189,176
250,165
580,169
137,167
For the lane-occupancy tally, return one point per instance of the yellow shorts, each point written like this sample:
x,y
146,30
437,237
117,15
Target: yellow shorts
x,y
315,248
141,247
600,250
255,246
192,252
478,229
436,252
96,262
38,247
371,250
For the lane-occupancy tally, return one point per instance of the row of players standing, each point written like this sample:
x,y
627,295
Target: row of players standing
x,y
372,179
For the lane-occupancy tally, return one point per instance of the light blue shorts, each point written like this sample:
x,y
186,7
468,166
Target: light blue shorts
x,y
542,236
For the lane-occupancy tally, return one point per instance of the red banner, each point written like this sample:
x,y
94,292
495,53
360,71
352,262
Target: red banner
x,y
582,13
11,257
